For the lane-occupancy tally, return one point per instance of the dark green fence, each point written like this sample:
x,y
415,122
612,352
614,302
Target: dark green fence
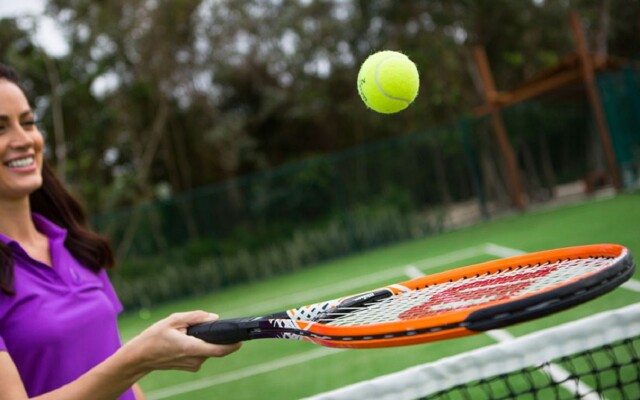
x,y
418,184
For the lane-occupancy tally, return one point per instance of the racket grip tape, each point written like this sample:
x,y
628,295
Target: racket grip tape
x,y
226,331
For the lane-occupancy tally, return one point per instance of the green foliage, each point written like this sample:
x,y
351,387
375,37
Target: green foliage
x,y
151,281
306,193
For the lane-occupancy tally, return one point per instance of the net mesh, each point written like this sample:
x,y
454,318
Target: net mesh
x,y
611,371
593,358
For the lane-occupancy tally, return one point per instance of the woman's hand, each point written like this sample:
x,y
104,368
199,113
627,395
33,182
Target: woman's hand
x,y
165,344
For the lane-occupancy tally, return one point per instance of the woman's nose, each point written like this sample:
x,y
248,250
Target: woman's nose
x,y
20,138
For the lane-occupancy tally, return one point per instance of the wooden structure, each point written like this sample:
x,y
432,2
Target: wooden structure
x,y
573,69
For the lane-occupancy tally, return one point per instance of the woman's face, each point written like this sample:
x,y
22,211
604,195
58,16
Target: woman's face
x,y
21,144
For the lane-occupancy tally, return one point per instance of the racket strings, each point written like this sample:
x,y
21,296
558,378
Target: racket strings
x,y
468,291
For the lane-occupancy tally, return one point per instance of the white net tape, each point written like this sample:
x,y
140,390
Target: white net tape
x,y
513,355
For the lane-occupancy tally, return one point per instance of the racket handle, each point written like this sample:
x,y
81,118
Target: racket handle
x,y
226,331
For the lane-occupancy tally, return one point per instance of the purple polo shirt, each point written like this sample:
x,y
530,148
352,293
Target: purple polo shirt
x,y
62,320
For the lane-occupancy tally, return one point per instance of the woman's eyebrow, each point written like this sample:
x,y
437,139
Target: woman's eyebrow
x,y
23,114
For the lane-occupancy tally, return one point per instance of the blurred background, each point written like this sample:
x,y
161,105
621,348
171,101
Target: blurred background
x,y
223,141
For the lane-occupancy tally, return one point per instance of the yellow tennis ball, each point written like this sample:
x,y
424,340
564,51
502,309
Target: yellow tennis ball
x,y
388,82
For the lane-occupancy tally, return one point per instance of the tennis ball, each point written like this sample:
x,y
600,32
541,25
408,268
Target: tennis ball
x,y
388,82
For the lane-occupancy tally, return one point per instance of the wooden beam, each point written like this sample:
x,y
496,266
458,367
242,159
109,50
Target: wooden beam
x,y
588,76
554,82
506,99
500,132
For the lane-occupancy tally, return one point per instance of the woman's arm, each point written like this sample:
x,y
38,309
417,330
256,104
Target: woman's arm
x,y
137,390
163,345
10,382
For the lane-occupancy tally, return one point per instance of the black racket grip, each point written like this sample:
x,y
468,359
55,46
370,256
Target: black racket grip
x,y
226,331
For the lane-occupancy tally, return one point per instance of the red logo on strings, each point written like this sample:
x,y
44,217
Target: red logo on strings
x,y
499,287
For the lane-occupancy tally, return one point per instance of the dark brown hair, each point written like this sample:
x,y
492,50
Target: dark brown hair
x,y
53,201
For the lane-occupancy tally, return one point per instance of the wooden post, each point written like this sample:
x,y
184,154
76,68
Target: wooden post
x,y
588,76
508,156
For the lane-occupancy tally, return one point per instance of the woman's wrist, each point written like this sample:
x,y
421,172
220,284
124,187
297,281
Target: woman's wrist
x,y
130,362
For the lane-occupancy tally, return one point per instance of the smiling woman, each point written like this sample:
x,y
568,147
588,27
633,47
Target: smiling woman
x,y
21,144
58,329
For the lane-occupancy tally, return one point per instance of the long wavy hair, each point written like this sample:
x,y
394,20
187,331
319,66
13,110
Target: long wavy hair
x,y
53,201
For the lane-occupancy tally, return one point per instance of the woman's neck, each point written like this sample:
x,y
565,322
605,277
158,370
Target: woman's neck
x,y
16,221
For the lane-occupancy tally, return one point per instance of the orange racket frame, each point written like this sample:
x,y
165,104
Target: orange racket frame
x,y
617,267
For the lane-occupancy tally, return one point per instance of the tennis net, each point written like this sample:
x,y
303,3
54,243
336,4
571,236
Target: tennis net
x,y
593,358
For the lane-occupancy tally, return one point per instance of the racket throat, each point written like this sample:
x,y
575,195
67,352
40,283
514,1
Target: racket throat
x,y
354,303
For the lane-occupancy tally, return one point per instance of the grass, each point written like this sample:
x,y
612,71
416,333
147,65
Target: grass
x,y
241,376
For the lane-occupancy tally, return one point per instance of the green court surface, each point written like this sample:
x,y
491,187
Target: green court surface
x,y
286,369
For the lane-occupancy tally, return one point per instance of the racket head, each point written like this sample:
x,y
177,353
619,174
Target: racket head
x,y
469,300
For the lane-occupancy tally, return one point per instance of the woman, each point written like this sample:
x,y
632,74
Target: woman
x,y
58,331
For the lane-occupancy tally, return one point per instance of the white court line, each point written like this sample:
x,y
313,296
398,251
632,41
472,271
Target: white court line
x,y
501,251
413,272
632,285
241,373
300,297
499,335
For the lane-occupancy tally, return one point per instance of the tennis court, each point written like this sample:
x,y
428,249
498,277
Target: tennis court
x,y
290,370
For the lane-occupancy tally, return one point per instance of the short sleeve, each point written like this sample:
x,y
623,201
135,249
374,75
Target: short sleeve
x,y
3,346
110,292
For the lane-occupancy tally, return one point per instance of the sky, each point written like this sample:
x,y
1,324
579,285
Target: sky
x,y
46,33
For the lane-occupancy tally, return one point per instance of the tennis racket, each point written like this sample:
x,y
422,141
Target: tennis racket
x,y
455,303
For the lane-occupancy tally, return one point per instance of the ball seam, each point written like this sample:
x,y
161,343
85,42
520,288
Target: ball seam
x,y
384,93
